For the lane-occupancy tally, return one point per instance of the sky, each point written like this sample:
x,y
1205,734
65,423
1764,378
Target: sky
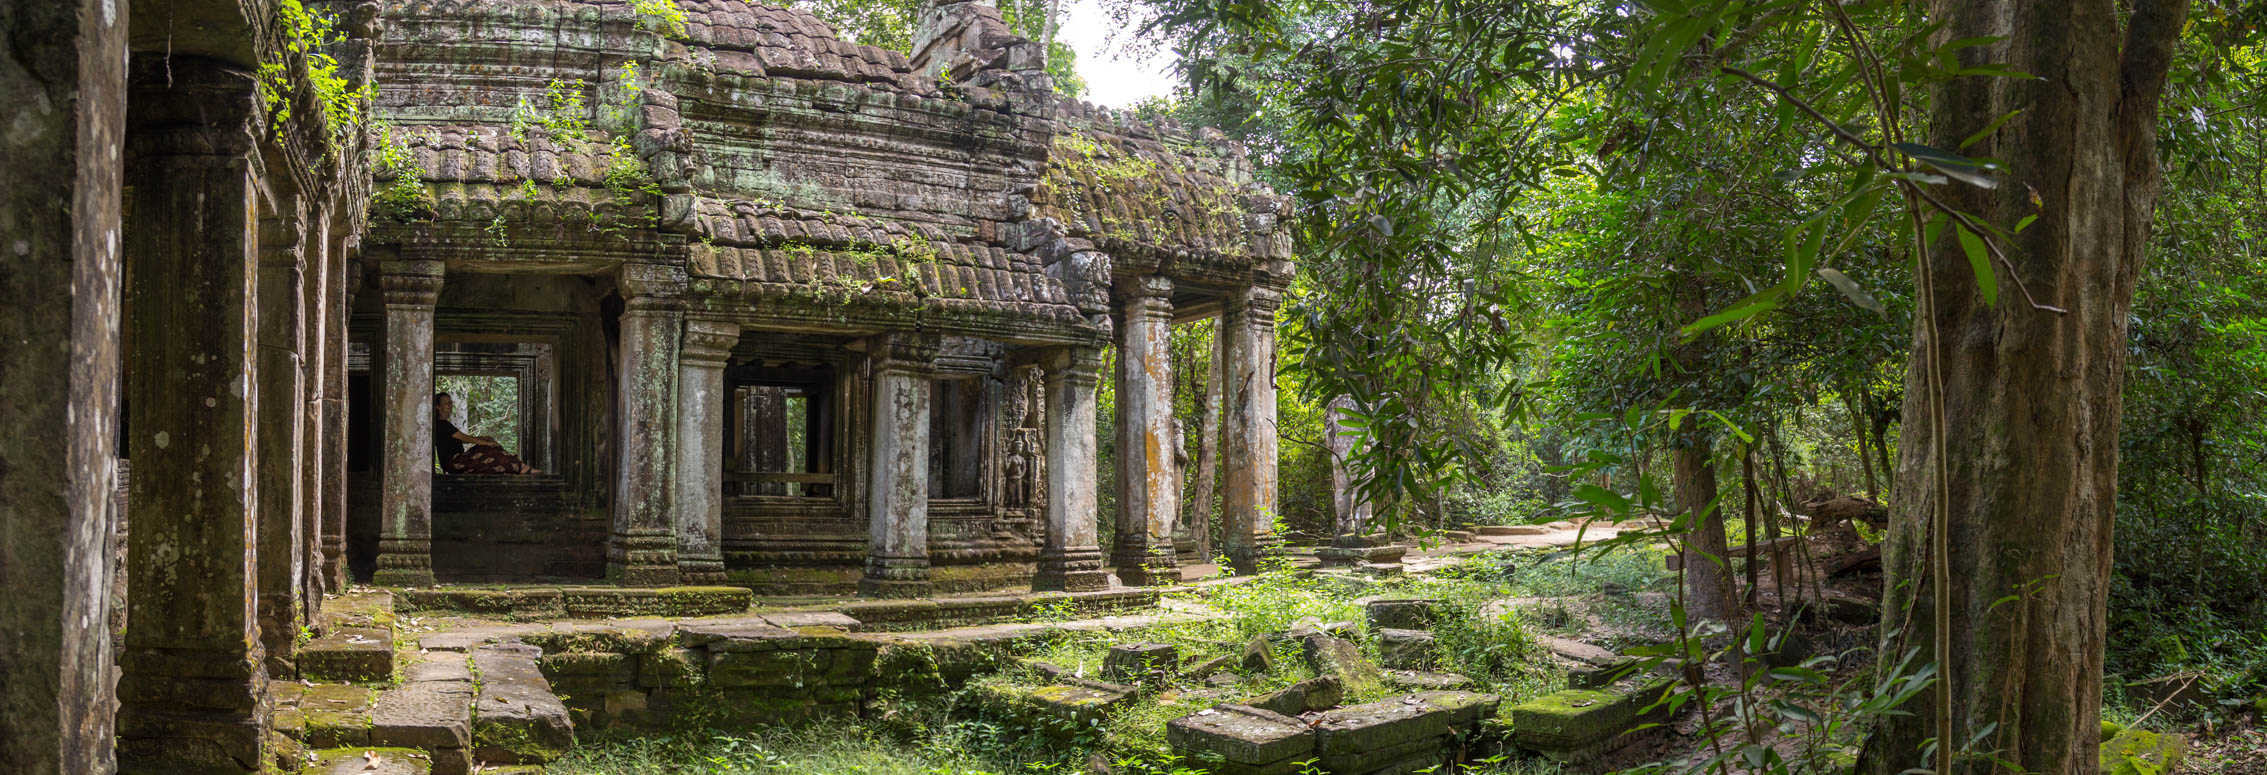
x,y
1114,76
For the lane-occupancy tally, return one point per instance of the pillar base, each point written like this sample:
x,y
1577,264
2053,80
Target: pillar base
x,y
643,559
1146,566
888,576
334,564
404,562
1246,560
1070,571
179,743
702,572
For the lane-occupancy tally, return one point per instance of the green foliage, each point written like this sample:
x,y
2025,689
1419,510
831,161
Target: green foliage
x,y
563,114
662,15
305,34
403,196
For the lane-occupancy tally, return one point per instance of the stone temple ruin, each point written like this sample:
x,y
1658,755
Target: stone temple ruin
x,y
782,313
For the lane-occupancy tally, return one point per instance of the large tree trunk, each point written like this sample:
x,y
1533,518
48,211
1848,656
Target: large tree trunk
x,y
1707,567
2030,398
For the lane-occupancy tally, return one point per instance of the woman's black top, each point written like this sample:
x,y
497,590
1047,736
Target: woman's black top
x,y
445,439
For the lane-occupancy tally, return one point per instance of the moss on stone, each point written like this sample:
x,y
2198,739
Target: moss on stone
x,y
2142,752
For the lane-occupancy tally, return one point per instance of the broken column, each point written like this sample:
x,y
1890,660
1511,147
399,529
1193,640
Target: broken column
x,y
1248,521
282,428
897,500
1352,542
700,450
405,528
643,548
191,689
59,379
1071,558
1148,491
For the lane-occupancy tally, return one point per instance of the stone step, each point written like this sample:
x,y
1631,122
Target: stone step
x,y
355,641
363,760
516,718
431,711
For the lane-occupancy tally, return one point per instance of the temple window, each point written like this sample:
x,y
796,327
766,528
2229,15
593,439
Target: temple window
x,y
784,446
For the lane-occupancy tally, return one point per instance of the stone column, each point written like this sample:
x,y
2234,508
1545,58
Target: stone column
x,y
1071,559
405,529
643,549
282,428
1149,493
1248,524
59,370
340,285
192,689
316,301
700,450
897,496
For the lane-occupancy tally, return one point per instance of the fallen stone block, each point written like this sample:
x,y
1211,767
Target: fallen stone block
x,y
1514,530
1591,667
1313,694
1415,680
1139,662
1581,725
1465,709
1243,738
1258,656
1377,726
1077,706
1339,658
1205,669
1405,649
1402,613
2142,752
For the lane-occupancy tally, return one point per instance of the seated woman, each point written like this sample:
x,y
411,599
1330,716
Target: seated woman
x,y
484,457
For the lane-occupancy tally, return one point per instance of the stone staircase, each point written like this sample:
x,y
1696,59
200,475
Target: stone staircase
x,y
448,707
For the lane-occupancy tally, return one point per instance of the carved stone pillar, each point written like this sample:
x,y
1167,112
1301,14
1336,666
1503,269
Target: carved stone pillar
x,y
897,499
700,450
59,370
315,300
192,689
1149,493
282,427
1071,558
342,286
643,549
405,529
1248,524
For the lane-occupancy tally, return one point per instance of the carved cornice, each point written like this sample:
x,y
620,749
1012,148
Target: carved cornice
x,y
411,284
1080,365
1258,303
709,343
904,351
1145,296
650,282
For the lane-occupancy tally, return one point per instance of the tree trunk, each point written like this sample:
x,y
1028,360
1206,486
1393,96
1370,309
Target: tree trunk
x,y
1708,573
1747,490
2030,398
